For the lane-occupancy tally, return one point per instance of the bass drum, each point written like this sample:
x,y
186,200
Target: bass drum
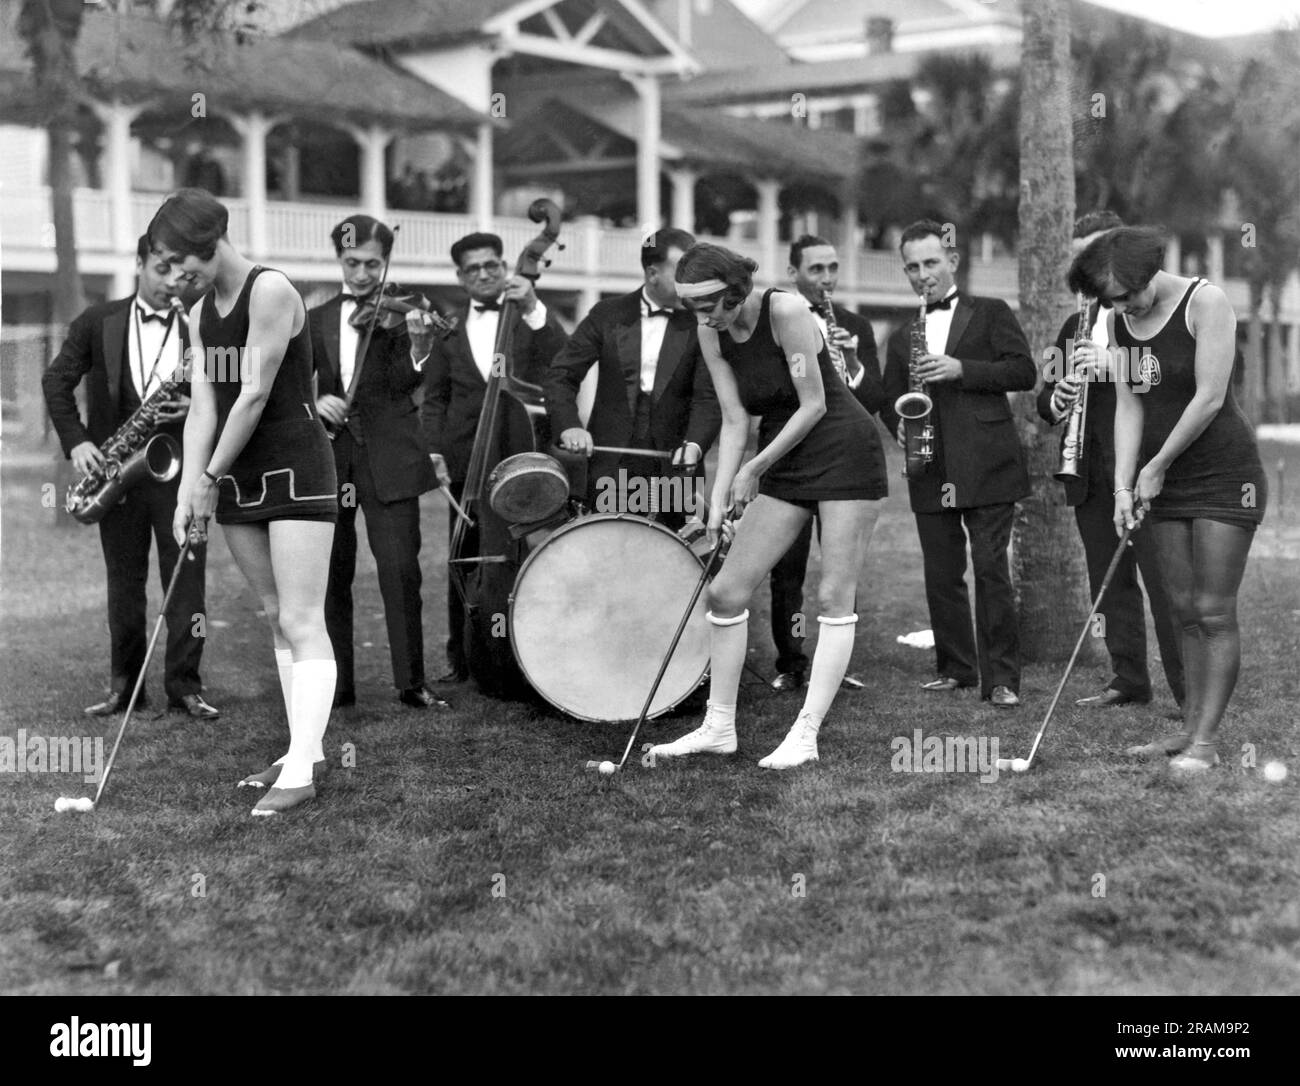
x,y
594,610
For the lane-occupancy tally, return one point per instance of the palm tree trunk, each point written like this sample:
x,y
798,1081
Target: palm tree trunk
x,y
1048,561
1276,358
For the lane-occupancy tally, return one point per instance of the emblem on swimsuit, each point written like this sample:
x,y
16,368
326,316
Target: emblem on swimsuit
x,y
1149,370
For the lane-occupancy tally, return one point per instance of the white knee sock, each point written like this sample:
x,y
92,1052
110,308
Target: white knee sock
x,y
727,644
284,665
830,662
313,695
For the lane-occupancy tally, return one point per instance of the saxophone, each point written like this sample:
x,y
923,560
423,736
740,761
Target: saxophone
x,y
837,354
914,406
132,454
1072,448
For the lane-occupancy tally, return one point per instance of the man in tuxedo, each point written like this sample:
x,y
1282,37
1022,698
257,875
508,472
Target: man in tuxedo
x,y
653,389
976,354
379,453
125,350
1093,502
456,379
815,271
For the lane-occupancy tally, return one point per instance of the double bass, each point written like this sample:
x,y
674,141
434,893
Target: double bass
x,y
512,420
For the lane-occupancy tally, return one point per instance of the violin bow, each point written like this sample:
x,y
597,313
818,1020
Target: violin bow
x,y
355,383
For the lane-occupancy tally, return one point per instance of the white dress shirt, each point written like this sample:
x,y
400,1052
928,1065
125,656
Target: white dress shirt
x,y
937,326
153,349
481,330
652,341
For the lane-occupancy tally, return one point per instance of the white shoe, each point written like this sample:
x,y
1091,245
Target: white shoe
x,y
709,738
799,746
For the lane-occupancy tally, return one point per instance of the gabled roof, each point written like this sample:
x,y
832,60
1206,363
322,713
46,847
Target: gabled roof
x,y
719,34
412,24
820,20
700,138
138,58
854,74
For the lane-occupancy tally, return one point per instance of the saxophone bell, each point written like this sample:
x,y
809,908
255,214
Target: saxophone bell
x,y
159,459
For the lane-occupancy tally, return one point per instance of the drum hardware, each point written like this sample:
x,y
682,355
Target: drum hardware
x,y
663,667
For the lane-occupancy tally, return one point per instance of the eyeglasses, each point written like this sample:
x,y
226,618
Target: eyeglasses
x,y
473,271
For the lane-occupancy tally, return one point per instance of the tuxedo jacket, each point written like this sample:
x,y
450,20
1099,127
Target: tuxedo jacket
x,y
1097,465
684,406
454,388
978,458
96,350
390,421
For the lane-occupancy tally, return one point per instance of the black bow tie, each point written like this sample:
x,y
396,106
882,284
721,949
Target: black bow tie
x,y
146,316
946,303
484,307
659,313
345,296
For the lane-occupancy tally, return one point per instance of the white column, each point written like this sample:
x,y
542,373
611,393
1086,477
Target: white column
x,y
1214,259
253,128
372,142
481,198
292,172
1174,255
647,151
849,261
1293,359
769,216
683,216
117,119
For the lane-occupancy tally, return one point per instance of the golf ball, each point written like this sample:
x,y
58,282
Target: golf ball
x,y
607,768
63,803
1020,765
1275,772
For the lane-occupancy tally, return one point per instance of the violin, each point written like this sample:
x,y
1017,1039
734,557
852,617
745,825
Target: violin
x,y
388,310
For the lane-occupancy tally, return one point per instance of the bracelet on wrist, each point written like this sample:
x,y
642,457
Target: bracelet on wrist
x,y
212,478
1120,490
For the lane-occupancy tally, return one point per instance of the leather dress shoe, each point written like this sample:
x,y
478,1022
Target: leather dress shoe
x,y
1108,698
788,681
115,703
942,685
194,705
852,682
345,698
418,697
1004,697
455,675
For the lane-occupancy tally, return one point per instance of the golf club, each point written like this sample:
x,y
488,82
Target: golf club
x,y
1020,765
82,804
608,768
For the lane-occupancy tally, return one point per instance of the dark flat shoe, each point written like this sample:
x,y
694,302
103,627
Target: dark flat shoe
x,y
420,698
194,705
788,681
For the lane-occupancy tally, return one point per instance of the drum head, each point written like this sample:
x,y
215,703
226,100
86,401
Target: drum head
x,y
594,611
527,487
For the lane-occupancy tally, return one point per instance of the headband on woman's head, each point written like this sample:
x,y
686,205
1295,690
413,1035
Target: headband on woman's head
x,y
701,289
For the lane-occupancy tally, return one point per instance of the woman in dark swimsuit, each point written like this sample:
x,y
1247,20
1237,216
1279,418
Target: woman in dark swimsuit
x,y
1185,460
257,454
818,450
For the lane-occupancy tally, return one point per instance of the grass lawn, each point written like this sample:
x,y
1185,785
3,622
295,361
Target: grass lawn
x,y
468,852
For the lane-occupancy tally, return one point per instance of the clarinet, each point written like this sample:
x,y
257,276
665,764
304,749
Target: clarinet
x,y
837,354
1072,447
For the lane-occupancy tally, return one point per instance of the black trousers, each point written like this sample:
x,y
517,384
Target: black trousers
x,y
991,656
393,530
124,534
1123,609
457,650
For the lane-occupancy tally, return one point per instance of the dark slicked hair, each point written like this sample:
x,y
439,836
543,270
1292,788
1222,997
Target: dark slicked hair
x,y
707,261
923,228
1125,259
654,250
1093,221
142,248
190,223
475,241
356,230
800,244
